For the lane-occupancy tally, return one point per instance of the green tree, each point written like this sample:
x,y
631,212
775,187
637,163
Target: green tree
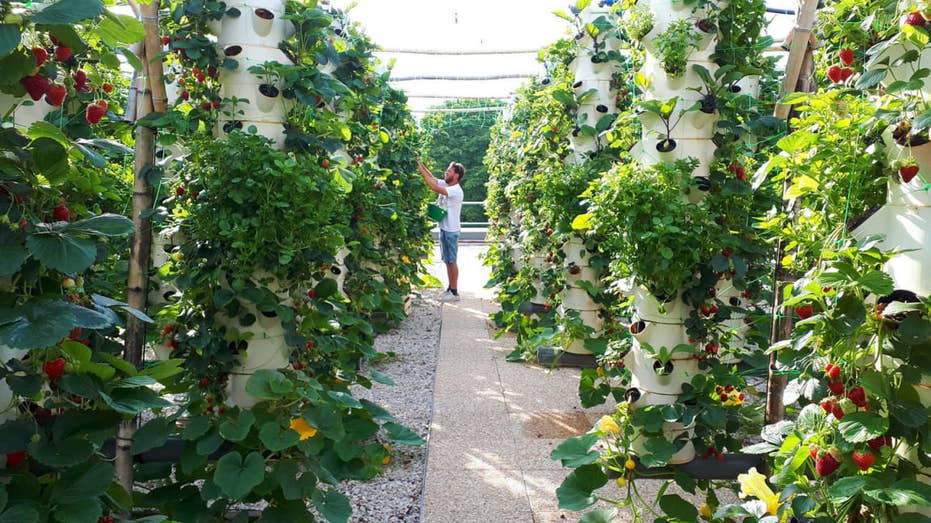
x,y
458,136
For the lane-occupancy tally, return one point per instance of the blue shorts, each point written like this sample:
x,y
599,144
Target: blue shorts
x,y
449,245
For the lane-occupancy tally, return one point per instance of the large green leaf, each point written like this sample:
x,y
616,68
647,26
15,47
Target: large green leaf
x,y
134,401
902,492
577,451
402,435
16,435
62,252
111,225
236,476
19,514
268,385
334,506
9,38
877,282
236,429
577,490
276,438
846,488
86,481
679,508
65,453
858,427
120,29
151,435
68,12
43,323
295,484
12,258
79,511
51,159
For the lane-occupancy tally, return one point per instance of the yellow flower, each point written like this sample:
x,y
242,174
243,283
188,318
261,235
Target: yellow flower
x,y
705,510
386,459
600,371
303,428
754,484
607,425
405,259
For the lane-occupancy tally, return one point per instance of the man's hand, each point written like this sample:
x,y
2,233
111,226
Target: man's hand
x,y
429,179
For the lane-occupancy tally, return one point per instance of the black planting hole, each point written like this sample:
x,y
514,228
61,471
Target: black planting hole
x,y
270,314
336,270
632,395
229,127
735,88
243,345
663,369
734,301
232,50
637,328
169,295
268,90
703,183
666,145
264,14
601,108
577,84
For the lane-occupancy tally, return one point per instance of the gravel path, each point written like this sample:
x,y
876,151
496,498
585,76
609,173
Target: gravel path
x,y
395,497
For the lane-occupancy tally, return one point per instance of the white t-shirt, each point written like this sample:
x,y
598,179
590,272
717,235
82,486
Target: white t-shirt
x,y
452,202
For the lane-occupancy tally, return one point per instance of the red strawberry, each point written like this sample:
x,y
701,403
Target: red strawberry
x,y
212,71
835,74
56,95
907,172
15,459
804,312
741,174
311,293
107,88
711,348
206,106
216,104
40,54
846,73
837,411
813,451
846,56
825,465
325,163
36,86
833,371
95,111
61,212
62,53
185,95
80,79
201,77
858,396
837,387
54,369
179,191
204,382
915,18
195,71
165,40
864,460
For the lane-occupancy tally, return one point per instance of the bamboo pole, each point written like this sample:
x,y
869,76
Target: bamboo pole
x,y
799,77
151,97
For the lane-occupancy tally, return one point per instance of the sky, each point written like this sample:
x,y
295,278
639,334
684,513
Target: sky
x,y
471,25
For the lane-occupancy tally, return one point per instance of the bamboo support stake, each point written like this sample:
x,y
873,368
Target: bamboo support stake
x,y
799,71
151,97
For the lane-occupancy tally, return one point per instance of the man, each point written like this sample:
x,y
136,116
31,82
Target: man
x,y
451,197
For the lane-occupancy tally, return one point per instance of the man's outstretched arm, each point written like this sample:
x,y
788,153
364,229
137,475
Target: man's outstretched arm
x,y
429,179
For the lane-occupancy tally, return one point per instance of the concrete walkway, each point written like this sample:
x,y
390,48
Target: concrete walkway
x,y
495,423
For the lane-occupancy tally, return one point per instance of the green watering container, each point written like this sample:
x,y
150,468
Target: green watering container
x,y
435,212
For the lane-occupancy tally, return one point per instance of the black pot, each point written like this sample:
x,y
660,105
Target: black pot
x,y
703,183
708,104
667,145
268,90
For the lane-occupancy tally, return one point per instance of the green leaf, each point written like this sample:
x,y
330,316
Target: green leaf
x,y
151,435
402,435
871,78
902,492
334,506
19,514
877,282
845,488
110,225
66,12
66,453
577,490
326,288
381,378
605,515
12,258
86,481
236,476
79,511
9,38
677,507
120,29
268,384
909,413
858,427
277,438
577,451
43,129
236,429
63,253
196,427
